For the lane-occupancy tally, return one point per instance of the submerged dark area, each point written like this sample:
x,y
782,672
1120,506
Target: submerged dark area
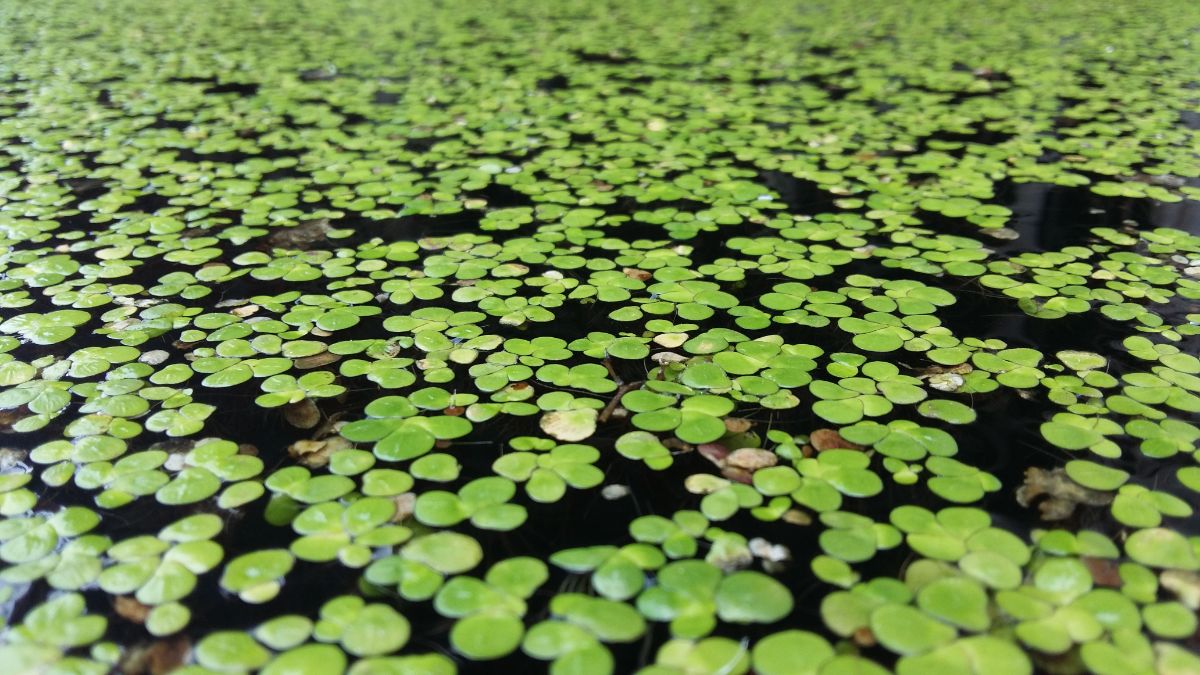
x,y
673,338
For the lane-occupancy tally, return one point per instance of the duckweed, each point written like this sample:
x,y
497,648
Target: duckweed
x,y
597,337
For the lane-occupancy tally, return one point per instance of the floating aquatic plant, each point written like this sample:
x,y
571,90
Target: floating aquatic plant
x,y
370,338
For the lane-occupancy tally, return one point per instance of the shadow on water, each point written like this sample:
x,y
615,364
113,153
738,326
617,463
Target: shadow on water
x,y
1183,215
801,196
1050,217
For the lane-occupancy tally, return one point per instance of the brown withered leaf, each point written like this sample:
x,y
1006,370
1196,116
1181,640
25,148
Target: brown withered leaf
x,y
130,609
11,417
1185,586
740,464
1056,494
713,452
751,459
302,414
330,426
1104,572
829,439
315,453
635,273
676,444
737,475
863,637
316,360
155,658
738,425
797,517
405,503
300,236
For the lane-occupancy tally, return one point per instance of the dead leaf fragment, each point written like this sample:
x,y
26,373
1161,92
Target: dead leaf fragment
x,y
714,452
300,236
730,557
797,517
303,414
316,360
775,557
315,453
764,549
571,426
155,658
829,439
751,459
738,475
738,425
704,483
947,382
740,464
863,637
405,503
1185,586
130,609
12,416
676,444
11,458
663,358
1104,572
1056,494
154,357
614,491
